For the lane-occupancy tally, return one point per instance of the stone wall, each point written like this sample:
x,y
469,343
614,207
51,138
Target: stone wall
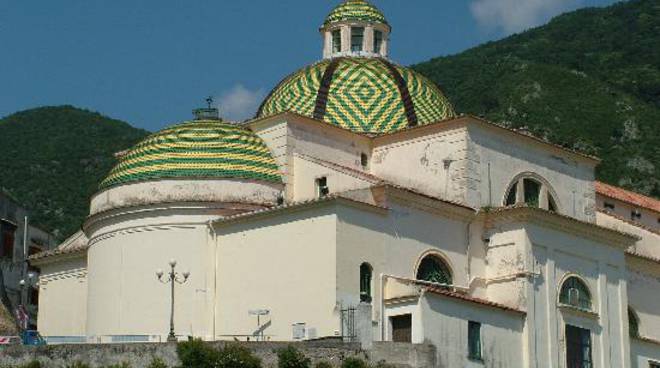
x,y
140,355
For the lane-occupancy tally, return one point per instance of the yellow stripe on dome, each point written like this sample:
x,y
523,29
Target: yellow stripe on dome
x,y
363,96
197,149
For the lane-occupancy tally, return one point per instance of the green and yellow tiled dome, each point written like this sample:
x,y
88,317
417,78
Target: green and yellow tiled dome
x,y
200,149
355,10
364,95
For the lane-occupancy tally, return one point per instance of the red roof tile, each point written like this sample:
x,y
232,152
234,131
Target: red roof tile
x,y
467,298
627,196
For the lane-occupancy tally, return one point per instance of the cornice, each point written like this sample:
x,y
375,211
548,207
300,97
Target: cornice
x,y
614,238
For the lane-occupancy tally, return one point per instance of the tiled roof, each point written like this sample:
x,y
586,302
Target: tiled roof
x,y
627,196
452,294
196,149
355,10
363,95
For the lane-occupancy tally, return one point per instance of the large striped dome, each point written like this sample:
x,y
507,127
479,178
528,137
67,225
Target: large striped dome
x,y
364,95
199,149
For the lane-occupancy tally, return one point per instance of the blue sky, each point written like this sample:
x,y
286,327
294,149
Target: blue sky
x,y
149,62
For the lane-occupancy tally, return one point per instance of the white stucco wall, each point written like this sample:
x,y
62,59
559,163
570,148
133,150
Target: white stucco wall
x,y
307,170
445,324
649,243
644,352
393,244
644,295
289,136
416,160
495,157
285,264
125,251
650,219
231,191
63,297
556,255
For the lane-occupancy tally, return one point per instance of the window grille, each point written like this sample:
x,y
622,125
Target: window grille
x,y
578,347
575,293
365,283
434,269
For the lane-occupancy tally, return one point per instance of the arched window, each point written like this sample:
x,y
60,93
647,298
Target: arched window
x,y
574,292
531,192
633,323
434,269
365,282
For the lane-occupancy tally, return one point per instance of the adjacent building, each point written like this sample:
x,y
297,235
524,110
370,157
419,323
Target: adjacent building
x,y
18,240
359,205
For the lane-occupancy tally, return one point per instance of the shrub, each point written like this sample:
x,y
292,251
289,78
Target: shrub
x,y
196,354
290,357
323,364
121,365
354,363
237,356
157,363
382,364
77,365
32,364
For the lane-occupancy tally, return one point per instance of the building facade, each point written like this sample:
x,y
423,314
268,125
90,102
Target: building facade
x,y
18,240
358,205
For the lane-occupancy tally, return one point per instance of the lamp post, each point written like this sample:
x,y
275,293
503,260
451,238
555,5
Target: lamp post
x,y
25,285
172,278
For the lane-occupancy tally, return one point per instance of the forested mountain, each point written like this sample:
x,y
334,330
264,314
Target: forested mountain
x,y
588,80
53,158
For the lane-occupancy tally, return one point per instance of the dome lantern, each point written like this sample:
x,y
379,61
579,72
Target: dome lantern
x,y
355,28
207,113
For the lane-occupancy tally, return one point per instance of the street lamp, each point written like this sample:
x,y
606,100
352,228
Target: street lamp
x,y
172,278
25,285
31,282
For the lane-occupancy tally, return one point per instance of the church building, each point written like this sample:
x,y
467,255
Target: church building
x,y
358,205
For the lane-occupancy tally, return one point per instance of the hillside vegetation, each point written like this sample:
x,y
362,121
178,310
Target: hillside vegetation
x,y
53,159
588,80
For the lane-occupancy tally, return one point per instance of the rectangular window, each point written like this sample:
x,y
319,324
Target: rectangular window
x,y
474,340
609,206
336,41
322,189
357,38
578,347
635,215
378,42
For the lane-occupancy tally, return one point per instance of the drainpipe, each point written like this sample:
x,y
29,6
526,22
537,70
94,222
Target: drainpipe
x,y
215,276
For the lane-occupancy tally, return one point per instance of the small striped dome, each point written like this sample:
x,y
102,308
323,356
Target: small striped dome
x,y
196,149
364,95
355,10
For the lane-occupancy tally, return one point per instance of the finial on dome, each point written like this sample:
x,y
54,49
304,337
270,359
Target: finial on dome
x,y
208,113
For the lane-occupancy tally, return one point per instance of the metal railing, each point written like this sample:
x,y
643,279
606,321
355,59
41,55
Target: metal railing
x,y
104,339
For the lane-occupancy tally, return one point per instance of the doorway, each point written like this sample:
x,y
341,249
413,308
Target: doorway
x,y
402,328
